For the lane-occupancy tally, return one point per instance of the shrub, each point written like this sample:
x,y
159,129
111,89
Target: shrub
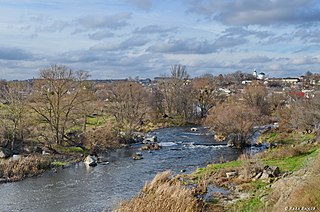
x,y
103,137
23,167
163,194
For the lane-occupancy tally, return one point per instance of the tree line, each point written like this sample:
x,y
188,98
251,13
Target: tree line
x,y
55,109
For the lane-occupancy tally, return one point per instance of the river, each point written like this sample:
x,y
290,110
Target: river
x,y
81,188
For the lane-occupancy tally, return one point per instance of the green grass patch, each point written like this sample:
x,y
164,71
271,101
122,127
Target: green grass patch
x,y
292,163
96,120
68,150
59,163
285,138
254,202
258,184
269,137
248,205
201,172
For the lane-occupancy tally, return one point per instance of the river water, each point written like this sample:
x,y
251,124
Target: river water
x,y
81,188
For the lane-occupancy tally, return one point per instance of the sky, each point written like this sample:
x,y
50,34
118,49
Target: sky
x,y
130,38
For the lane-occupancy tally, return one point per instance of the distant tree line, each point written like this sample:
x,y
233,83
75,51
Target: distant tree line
x,y
59,107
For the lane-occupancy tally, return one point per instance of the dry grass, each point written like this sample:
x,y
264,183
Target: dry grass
x,y
163,194
298,191
24,167
308,195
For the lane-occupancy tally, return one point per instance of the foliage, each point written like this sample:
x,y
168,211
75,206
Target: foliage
x,y
59,163
69,150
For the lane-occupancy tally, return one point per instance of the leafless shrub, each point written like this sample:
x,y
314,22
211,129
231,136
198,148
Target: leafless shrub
x,y
163,194
23,167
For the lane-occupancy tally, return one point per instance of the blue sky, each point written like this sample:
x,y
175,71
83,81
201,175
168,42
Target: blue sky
x,y
129,38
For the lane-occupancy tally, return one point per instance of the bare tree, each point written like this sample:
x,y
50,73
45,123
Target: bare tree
x,y
128,103
179,72
204,93
302,115
13,115
156,103
233,118
255,95
176,92
57,98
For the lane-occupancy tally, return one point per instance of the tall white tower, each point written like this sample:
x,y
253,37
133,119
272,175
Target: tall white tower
x,y
255,73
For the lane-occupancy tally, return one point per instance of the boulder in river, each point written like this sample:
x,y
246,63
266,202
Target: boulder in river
x,y
219,137
154,146
194,129
90,161
151,139
137,156
139,153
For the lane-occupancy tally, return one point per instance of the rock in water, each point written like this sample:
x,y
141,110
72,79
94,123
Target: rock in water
x,y
90,160
153,146
194,129
151,139
137,156
139,153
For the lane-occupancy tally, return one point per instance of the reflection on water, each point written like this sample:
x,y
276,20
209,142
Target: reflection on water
x,y
82,188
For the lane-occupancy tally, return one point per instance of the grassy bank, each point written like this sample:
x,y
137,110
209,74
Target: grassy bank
x,y
298,162
290,160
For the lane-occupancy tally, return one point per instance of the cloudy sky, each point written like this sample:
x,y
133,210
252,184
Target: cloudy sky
x,y
129,38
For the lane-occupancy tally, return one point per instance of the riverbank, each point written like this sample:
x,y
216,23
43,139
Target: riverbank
x,y
258,183
19,167
83,188
16,167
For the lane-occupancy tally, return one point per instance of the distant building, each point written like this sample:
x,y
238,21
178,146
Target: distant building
x,y
145,81
255,75
161,79
245,82
261,76
286,81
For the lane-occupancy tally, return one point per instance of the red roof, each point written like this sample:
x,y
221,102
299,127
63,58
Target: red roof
x,y
297,93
